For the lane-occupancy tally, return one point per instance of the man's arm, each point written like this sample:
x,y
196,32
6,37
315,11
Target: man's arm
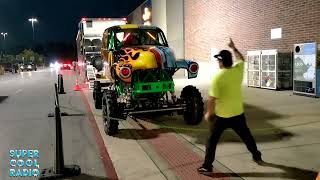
x,y
211,105
236,51
210,108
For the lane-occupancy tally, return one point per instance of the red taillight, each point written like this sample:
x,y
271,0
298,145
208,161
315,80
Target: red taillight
x,y
194,68
125,72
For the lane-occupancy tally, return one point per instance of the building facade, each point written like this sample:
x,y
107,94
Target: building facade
x,y
209,24
198,29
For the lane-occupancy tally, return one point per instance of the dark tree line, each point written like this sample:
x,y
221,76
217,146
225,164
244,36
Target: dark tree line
x,y
49,50
56,49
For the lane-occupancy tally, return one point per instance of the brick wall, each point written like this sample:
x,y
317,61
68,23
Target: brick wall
x,y
209,23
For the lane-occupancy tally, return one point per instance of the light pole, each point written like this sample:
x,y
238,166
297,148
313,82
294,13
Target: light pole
x,y
4,34
33,20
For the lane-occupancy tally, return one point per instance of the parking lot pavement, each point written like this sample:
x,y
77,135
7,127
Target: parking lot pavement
x,y
285,126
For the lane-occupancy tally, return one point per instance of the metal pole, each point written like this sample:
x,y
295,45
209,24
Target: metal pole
x,y
32,30
59,159
60,85
56,95
2,49
4,43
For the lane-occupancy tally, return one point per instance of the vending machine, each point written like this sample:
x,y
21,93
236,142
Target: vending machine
x,y
269,69
306,70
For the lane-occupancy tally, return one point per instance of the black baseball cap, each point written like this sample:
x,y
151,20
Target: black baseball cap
x,y
224,55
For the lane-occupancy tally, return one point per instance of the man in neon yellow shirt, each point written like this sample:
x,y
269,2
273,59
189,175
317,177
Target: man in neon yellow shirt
x,y
225,107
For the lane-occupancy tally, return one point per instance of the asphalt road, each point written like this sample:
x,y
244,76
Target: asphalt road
x,y
26,99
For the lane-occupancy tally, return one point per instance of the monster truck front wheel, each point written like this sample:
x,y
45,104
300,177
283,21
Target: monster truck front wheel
x,y
110,108
193,113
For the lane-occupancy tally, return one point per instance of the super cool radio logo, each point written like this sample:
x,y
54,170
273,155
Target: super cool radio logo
x,y
24,163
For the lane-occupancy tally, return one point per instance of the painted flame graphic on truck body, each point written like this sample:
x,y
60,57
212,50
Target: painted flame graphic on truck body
x,y
145,57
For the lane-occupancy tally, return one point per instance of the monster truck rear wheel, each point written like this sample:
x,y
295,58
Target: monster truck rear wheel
x,y
193,113
110,108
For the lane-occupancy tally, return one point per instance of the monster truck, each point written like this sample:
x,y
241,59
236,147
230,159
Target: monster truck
x,y
141,66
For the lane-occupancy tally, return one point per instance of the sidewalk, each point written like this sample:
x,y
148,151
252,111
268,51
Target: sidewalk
x,y
142,151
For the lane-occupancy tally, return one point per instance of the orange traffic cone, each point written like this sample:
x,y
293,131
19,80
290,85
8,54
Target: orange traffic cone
x,y
77,86
85,81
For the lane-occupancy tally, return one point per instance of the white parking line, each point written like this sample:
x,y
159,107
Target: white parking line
x,y
18,91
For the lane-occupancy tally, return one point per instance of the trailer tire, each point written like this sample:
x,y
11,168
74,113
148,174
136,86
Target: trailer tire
x,y
94,90
110,108
97,95
98,101
193,113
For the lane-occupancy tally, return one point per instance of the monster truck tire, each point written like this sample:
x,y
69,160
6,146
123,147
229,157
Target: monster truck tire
x,y
193,113
110,108
98,63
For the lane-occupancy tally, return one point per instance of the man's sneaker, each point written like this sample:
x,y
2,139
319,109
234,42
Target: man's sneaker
x,y
258,160
205,171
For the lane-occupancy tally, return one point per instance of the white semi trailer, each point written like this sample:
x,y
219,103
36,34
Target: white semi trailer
x,y
89,42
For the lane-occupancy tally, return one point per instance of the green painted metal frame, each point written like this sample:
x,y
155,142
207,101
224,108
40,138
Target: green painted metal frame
x,y
154,82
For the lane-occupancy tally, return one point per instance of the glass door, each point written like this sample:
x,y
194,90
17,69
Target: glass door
x,y
269,69
253,59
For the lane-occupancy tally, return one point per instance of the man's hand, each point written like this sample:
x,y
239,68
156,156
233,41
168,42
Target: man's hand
x,y
207,117
231,44
235,50
210,108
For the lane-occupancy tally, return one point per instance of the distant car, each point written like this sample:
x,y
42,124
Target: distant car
x,y
7,68
65,66
28,67
14,68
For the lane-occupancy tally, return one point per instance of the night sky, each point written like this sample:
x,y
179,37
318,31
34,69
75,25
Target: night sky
x,y
58,19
